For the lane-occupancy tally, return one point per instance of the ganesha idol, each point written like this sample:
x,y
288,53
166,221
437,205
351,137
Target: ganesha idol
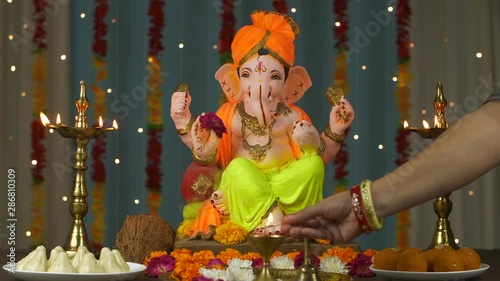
x,y
259,156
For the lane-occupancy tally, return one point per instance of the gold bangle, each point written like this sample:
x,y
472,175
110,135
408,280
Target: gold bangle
x,y
186,129
204,160
331,135
371,216
322,147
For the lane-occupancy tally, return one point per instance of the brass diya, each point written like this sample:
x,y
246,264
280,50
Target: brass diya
x,y
265,245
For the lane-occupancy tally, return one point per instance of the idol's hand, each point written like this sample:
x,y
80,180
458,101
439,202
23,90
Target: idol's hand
x,y
205,141
179,109
337,124
306,136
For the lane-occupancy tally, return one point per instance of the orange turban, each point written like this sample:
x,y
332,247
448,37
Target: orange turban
x,y
272,31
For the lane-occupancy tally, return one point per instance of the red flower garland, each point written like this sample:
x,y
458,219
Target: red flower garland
x,y
403,20
226,34
98,174
39,40
340,79
281,6
155,119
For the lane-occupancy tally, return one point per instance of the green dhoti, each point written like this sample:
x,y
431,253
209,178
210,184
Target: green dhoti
x,y
251,192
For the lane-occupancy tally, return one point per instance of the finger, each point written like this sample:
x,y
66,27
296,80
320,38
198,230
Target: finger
x,y
304,215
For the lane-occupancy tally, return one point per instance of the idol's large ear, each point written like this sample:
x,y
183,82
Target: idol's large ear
x,y
227,75
297,83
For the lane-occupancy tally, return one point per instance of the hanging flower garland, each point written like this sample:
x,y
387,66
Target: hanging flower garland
x,y
37,129
226,36
403,20
155,116
281,6
98,174
340,29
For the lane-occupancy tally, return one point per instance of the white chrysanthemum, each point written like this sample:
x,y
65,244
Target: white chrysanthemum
x,y
282,262
239,274
215,274
333,264
236,262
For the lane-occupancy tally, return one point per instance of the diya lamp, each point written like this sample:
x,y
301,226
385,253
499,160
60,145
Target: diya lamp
x,y
265,244
443,234
81,134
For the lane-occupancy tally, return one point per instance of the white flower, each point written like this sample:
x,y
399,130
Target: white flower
x,y
215,274
333,264
239,274
282,262
236,262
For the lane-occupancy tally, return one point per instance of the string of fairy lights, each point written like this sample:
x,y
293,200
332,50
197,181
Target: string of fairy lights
x,y
85,18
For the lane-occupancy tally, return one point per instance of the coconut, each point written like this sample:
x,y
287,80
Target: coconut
x,y
142,234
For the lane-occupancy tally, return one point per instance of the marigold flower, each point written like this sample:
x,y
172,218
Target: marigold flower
x,y
154,254
346,255
228,254
230,233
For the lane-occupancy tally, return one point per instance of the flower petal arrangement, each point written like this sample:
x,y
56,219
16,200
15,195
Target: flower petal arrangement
x,y
211,121
231,264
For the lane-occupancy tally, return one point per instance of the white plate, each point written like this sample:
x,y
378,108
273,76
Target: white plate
x,y
135,269
433,276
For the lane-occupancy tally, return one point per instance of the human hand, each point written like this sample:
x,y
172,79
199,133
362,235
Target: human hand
x,y
205,141
179,109
306,136
332,218
338,124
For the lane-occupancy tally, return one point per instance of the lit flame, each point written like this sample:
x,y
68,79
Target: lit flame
x,y
115,125
405,124
100,122
58,119
426,125
44,119
435,121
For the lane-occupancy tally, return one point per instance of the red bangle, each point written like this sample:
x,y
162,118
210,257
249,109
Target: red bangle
x,y
358,209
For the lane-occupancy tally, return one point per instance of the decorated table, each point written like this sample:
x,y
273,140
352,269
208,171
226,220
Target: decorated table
x,y
490,257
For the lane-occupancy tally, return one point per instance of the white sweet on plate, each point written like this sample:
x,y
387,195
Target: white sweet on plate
x,y
53,255
34,261
89,264
61,264
80,253
108,261
121,261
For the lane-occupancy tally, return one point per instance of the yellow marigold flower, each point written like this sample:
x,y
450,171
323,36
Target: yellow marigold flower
x,y
154,254
293,255
229,254
346,254
230,233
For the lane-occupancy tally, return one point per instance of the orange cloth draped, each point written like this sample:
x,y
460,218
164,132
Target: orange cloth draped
x,y
270,30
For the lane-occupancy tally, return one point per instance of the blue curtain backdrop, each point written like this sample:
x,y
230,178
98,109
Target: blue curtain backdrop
x,y
196,24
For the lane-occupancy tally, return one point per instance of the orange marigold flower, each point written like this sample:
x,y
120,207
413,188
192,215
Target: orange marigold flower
x,y
370,252
293,255
203,257
276,254
181,254
229,254
187,269
154,254
230,233
323,241
250,256
346,254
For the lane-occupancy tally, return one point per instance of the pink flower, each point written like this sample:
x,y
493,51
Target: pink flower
x,y
211,121
360,266
160,265
299,260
